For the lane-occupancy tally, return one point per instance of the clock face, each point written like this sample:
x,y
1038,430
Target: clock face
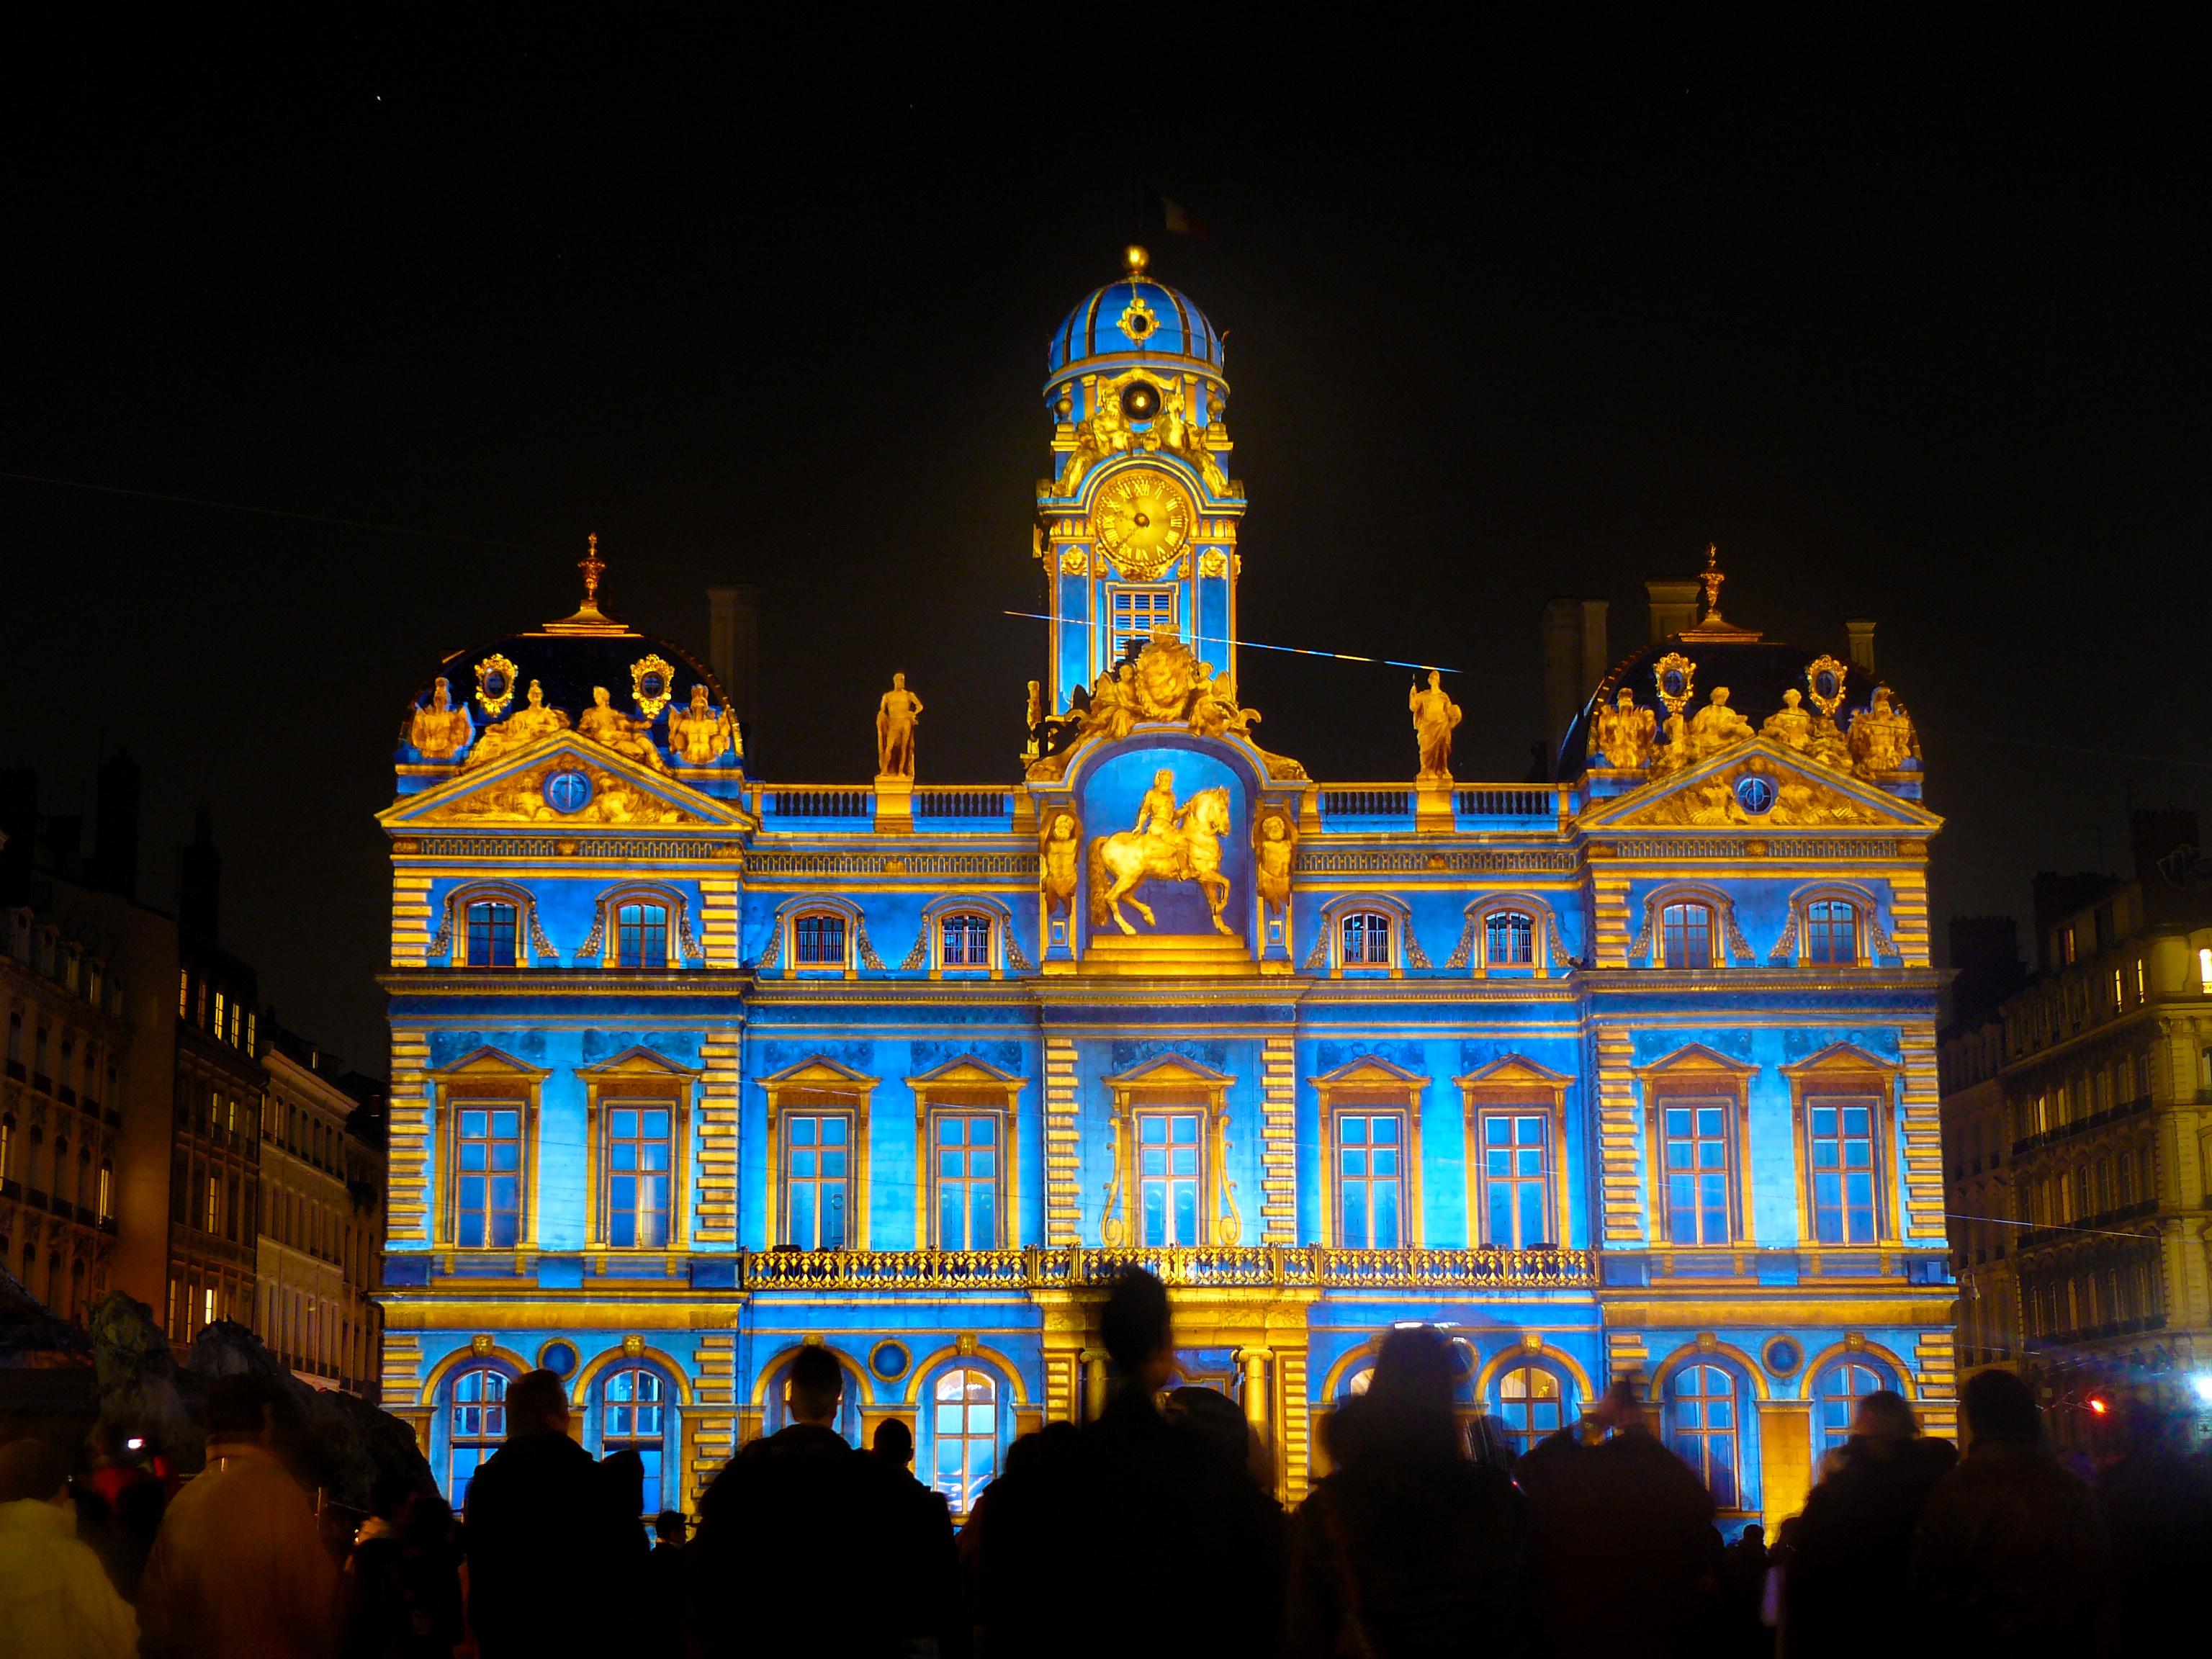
x,y
1144,522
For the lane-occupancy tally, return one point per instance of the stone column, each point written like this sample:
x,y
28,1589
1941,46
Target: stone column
x,y
1255,1362
1094,1385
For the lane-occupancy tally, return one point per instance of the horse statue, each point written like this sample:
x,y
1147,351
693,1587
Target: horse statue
x,y
1190,850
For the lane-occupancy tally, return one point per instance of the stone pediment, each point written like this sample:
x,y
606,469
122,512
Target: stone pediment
x,y
521,789
1760,785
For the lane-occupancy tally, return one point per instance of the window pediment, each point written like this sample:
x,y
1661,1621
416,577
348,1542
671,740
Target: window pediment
x,y
1165,1071
1695,1062
820,1072
1514,1071
1841,1059
1371,1070
489,1062
969,1070
638,1061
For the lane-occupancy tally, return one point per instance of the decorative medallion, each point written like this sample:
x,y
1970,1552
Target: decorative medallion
x,y
652,682
494,685
559,1358
1674,675
1214,562
1755,793
1783,1357
1139,321
1144,521
1823,683
633,1345
568,791
890,1360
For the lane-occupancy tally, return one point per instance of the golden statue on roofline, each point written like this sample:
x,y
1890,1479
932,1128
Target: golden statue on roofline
x,y
520,730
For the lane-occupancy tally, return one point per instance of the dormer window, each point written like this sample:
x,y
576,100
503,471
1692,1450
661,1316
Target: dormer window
x,y
640,935
1364,939
492,933
1686,932
817,939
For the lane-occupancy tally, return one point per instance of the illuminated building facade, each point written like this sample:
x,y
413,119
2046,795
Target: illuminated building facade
x,y
1632,1074
2089,1088
321,1221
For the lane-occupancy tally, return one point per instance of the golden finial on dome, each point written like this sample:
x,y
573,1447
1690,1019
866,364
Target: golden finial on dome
x,y
589,618
1136,259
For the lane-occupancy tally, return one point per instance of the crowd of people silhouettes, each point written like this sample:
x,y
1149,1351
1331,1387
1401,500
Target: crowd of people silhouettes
x,y
1152,1529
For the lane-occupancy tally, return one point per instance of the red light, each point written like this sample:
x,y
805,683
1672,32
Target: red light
x,y
2099,1407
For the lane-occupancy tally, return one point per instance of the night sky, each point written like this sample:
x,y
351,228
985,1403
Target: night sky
x,y
1910,318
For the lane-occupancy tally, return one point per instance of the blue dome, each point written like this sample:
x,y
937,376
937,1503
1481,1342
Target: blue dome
x,y
1134,319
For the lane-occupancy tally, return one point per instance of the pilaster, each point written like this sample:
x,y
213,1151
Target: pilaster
x,y
1063,1157
715,1192
1278,1150
410,918
407,1176
1922,1129
1619,1179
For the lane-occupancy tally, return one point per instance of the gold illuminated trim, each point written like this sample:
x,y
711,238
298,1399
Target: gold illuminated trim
x,y
1698,1072
1517,1083
1158,1084
649,705
494,707
1844,1070
967,1085
821,1085
1371,1083
497,1079
638,1077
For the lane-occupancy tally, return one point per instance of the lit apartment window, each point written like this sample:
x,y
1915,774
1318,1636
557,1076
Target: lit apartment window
x,y
220,1005
2119,997
2204,970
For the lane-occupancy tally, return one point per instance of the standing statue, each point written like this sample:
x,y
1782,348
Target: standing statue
x,y
1716,726
443,729
609,727
1059,850
524,727
1882,737
1674,754
896,715
700,735
1626,735
1216,715
1274,849
1434,717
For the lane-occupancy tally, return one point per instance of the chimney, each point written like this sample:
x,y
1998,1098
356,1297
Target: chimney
x,y
1597,658
733,643
199,882
1859,630
115,828
1563,667
1673,604
19,832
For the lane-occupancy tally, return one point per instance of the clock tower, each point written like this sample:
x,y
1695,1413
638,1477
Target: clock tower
x,y
1137,527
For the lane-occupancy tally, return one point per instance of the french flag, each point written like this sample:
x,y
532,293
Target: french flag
x,y
1160,213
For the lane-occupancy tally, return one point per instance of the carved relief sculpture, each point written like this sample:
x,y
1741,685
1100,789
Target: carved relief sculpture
x,y
441,729
1627,736
896,715
609,727
1060,848
1171,845
1436,716
524,727
701,735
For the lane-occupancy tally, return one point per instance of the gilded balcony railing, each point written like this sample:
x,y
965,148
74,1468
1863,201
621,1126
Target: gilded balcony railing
x,y
1227,1267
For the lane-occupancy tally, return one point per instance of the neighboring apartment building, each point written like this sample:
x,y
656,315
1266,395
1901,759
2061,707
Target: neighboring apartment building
x,y
84,1099
214,1162
1977,1136
321,1226
2101,1276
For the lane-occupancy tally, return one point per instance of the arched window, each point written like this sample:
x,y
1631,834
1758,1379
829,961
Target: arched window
x,y
1364,937
1701,1419
1837,1392
476,1426
817,939
637,1412
1831,933
964,940
1509,939
1686,933
641,934
963,1422
494,939
1532,1401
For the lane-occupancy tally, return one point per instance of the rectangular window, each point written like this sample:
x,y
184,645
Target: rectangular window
x,y
1686,936
641,936
492,934
1517,1179
2142,984
219,1007
1841,1135
2119,997
966,1176
184,1001
818,941
1370,1180
1366,936
1699,1158
1169,1149
1137,614
488,1176
964,941
817,1178
1509,940
639,1159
